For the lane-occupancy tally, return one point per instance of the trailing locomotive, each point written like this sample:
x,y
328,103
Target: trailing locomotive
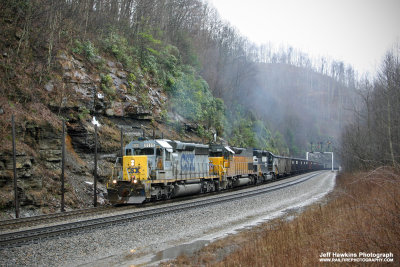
x,y
163,169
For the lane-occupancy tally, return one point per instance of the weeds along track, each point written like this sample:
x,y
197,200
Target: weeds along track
x,y
23,237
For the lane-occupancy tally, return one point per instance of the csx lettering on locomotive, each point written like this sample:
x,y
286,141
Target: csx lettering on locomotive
x,y
187,162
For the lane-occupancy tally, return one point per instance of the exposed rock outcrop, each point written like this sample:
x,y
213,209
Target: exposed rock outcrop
x,y
79,91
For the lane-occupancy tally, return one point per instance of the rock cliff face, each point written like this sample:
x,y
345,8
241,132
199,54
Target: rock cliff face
x,y
38,166
105,88
77,92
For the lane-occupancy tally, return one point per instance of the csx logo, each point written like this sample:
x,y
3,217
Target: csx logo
x,y
187,162
133,170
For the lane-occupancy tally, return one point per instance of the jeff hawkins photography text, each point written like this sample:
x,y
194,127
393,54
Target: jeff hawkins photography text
x,y
355,257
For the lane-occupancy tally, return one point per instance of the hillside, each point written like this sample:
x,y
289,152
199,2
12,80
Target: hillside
x,y
171,68
80,83
302,104
76,92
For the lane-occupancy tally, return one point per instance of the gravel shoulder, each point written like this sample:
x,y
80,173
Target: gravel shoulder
x,y
151,240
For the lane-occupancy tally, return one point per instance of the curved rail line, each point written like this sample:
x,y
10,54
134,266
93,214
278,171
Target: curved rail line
x,y
41,219
20,238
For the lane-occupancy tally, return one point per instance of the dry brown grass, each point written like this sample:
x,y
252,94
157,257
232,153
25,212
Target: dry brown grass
x,y
70,149
109,137
363,215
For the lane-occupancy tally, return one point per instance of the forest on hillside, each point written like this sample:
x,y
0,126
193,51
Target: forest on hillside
x,y
372,139
280,99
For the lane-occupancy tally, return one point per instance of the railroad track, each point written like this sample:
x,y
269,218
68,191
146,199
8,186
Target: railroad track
x,y
48,218
19,238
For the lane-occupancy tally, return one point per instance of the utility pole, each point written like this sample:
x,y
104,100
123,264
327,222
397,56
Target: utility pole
x,y
332,158
95,168
62,166
16,202
122,143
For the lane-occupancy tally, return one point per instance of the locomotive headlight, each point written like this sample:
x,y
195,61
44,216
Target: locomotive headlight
x,y
135,181
114,181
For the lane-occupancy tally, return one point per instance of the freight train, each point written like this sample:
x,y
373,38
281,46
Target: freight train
x,y
162,169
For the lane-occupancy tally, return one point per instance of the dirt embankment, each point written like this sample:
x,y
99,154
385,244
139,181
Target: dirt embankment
x,y
362,215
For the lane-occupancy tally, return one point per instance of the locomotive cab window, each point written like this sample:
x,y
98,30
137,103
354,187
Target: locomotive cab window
x,y
144,151
128,152
167,155
216,154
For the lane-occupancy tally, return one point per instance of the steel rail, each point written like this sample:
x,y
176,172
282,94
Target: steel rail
x,y
29,221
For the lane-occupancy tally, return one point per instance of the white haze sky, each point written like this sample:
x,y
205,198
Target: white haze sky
x,y
357,32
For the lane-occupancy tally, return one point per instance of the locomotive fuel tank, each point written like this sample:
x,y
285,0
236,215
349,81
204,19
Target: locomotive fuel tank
x,y
187,189
242,182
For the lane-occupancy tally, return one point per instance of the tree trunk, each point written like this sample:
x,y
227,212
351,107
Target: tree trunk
x,y
389,128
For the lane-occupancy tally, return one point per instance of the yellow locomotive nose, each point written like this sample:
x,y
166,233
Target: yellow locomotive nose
x,y
135,168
